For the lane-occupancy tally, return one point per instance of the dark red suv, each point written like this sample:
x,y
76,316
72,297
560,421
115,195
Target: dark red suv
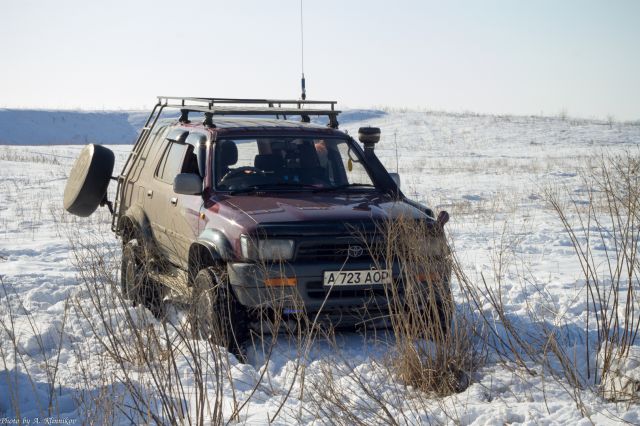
x,y
234,202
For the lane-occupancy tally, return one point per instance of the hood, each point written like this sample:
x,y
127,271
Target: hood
x,y
315,210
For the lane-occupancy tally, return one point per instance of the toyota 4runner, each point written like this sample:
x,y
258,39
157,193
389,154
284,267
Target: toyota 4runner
x,y
243,201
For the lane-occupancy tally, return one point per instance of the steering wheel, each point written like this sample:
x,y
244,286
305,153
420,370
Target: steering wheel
x,y
245,171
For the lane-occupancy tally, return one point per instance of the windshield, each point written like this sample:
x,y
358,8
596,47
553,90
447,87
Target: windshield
x,y
281,163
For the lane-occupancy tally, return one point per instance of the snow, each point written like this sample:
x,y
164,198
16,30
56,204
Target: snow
x,y
489,172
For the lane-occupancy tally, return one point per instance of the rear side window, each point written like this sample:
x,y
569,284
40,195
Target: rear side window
x,y
171,163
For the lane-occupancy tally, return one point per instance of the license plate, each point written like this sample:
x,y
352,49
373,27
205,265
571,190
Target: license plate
x,y
366,277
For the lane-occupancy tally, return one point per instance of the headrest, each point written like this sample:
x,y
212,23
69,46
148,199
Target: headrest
x,y
308,156
228,152
268,161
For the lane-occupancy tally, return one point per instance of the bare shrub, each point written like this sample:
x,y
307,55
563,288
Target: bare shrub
x,y
174,368
167,376
433,348
601,223
604,229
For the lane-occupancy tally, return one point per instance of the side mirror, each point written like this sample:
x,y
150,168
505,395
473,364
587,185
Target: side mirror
x,y
396,178
187,184
369,136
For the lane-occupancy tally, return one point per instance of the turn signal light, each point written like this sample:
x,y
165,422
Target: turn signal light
x,y
431,277
281,282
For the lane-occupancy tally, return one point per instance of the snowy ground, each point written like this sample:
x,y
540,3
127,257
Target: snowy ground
x,y
489,172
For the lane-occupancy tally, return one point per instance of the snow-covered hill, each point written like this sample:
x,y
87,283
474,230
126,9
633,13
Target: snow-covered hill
x,y
45,127
63,127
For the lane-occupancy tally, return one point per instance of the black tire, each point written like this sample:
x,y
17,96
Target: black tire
x,y
88,180
135,283
216,314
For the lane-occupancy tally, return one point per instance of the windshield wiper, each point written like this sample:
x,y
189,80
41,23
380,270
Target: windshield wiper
x,y
289,184
345,186
245,190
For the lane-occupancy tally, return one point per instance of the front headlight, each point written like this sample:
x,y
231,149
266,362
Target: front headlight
x,y
272,250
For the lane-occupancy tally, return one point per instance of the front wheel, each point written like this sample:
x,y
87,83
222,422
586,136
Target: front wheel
x,y
216,314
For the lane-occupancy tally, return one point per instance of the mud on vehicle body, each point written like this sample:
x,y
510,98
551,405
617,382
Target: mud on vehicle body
x,y
236,212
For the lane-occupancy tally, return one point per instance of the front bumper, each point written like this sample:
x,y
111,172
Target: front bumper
x,y
345,305
342,306
247,281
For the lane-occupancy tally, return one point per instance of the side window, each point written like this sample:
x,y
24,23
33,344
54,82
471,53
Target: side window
x,y
149,154
171,163
197,154
190,164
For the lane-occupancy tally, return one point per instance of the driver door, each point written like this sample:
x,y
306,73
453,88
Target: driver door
x,y
176,216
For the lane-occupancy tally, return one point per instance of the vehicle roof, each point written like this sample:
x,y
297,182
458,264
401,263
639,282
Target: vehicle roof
x,y
233,122
254,123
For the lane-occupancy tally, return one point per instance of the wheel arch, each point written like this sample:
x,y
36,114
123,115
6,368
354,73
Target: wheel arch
x,y
202,254
135,224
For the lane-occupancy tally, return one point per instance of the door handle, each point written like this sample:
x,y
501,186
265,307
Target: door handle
x,y
150,193
174,201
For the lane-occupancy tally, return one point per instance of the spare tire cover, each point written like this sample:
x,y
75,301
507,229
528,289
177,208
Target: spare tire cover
x,y
88,181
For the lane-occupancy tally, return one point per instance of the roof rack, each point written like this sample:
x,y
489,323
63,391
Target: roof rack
x,y
240,107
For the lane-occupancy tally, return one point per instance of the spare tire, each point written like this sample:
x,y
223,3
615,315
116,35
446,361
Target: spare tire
x,y
88,181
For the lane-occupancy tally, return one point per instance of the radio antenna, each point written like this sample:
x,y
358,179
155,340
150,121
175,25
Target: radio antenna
x,y
302,81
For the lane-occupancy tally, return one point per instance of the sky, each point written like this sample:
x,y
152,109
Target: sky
x,y
543,57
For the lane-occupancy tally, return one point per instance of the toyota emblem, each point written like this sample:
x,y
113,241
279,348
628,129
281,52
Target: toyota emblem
x,y
355,251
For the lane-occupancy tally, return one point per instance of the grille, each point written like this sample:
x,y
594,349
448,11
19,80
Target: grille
x,y
333,252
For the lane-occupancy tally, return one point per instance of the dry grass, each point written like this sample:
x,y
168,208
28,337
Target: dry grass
x,y
601,222
607,219
433,343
